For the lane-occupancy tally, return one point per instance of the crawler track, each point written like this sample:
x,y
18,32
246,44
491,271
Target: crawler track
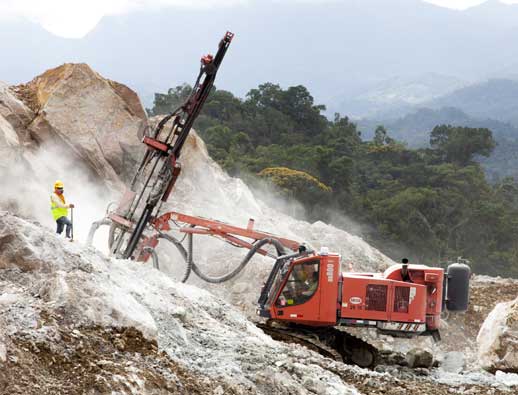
x,y
329,342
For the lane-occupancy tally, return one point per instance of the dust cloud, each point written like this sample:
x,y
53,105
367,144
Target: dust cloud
x,y
27,185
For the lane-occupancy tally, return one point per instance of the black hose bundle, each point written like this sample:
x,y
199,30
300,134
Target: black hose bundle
x,y
191,265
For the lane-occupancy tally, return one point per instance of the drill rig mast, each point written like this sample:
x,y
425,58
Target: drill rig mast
x,y
160,166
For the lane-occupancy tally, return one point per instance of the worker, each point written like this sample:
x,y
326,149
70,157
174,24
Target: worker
x,y
312,285
59,208
307,282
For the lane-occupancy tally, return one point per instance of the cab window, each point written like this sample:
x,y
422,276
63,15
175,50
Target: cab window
x,y
301,284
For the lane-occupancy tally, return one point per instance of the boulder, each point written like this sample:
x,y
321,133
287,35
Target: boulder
x,y
419,358
453,362
498,339
10,148
79,111
14,111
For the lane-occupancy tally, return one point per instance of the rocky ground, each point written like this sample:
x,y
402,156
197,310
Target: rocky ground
x,y
72,319
74,322
461,330
94,361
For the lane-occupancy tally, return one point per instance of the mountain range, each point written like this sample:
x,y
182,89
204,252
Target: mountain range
x,y
338,49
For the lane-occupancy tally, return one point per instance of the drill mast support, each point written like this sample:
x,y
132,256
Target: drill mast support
x,y
160,167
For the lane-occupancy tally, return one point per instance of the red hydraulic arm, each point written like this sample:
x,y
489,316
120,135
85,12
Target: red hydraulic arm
x,y
202,226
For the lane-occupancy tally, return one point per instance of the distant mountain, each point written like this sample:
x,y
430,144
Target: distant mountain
x,y
395,97
340,48
495,98
414,129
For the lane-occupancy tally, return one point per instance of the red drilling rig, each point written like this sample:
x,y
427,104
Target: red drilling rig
x,y
306,298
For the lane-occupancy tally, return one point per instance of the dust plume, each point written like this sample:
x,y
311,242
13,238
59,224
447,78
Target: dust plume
x,y
27,185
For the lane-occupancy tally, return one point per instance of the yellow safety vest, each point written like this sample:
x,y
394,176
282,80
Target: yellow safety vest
x,y
57,212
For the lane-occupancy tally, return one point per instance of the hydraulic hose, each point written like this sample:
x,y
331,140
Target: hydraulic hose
x,y
216,280
154,256
188,257
96,225
183,253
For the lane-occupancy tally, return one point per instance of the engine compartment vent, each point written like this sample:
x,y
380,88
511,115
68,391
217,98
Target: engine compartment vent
x,y
401,299
376,297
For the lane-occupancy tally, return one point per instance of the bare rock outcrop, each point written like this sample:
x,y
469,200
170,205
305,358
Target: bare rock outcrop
x,y
70,316
14,118
14,111
10,148
80,111
498,339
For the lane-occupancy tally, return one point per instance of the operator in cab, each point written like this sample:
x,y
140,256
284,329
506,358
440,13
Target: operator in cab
x,y
301,285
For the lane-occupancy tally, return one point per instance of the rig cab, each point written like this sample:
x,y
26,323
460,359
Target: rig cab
x,y
405,300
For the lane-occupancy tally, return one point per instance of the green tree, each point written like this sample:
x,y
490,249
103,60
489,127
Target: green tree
x,y
297,185
460,144
165,103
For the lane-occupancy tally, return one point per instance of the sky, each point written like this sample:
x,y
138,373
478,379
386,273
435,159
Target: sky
x,y
75,18
463,4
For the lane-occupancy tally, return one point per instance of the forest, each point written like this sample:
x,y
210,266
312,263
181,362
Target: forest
x,y
431,205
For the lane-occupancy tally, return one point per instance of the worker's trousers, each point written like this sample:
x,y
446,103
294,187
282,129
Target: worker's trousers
x,y
61,222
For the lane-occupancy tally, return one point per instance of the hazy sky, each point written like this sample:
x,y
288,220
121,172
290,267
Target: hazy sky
x,y
75,18
463,4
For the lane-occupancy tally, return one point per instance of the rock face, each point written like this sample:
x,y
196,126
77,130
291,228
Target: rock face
x,y
10,149
498,339
78,110
14,118
14,111
71,124
70,315
63,277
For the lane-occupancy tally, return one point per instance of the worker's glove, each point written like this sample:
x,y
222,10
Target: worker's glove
x,y
71,205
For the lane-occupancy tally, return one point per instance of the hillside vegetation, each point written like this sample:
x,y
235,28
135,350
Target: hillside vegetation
x,y
431,204
414,129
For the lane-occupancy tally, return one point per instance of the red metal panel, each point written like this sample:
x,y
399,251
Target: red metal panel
x,y
329,277
120,220
423,277
354,297
415,311
153,143
321,309
307,313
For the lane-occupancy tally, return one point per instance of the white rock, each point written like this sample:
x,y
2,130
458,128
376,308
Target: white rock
x,y
498,338
96,119
215,340
3,352
10,148
453,362
509,379
14,111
